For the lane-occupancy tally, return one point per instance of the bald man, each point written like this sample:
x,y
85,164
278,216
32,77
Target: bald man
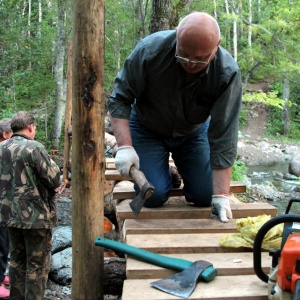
x,y
179,92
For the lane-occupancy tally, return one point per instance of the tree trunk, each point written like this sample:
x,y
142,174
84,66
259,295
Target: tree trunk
x,y
285,111
250,25
59,76
160,16
235,35
88,161
68,118
165,15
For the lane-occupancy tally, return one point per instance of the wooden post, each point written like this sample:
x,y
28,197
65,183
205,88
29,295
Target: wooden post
x,y
68,114
87,149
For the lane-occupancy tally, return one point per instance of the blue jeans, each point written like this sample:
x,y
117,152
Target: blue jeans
x,y
191,155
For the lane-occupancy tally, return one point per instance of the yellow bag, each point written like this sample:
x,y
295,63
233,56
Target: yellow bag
x,y
248,228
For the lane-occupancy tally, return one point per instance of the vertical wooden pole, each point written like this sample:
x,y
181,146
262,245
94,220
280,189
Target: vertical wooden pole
x,y
87,149
68,114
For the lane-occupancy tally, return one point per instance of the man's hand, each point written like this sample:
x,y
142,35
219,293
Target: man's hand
x,y
220,207
125,158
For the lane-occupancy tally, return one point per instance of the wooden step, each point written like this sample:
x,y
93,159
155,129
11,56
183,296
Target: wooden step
x,y
170,226
126,191
235,263
181,243
179,229
110,163
245,287
239,210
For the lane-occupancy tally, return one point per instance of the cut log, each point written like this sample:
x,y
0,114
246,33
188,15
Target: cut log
x,y
114,275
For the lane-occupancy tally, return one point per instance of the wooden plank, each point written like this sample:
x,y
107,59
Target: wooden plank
x,y
171,226
239,210
128,192
181,243
115,175
236,263
246,287
110,163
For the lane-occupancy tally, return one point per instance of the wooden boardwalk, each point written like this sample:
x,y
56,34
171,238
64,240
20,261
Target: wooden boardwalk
x,y
183,231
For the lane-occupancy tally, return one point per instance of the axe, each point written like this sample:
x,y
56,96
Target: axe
x,y
181,284
146,190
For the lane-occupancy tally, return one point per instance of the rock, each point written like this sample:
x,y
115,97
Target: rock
x,y
61,238
265,153
64,209
294,165
289,176
61,267
114,271
267,191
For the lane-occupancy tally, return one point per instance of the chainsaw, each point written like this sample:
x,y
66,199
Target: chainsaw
x,y
284,277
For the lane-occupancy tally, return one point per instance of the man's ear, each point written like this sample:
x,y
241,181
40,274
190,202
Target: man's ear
x,y
30,127
6,135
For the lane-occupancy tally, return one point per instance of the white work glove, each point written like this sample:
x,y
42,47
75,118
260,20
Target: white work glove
x,y
220,208
125,158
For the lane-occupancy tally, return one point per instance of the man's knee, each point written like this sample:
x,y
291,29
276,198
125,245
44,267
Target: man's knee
x,y
156,200
200,199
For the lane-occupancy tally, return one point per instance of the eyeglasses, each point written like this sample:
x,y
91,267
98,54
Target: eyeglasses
x,y
185,60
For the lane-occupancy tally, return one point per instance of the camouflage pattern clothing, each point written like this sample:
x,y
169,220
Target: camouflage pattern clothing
x,y
28,178
29,267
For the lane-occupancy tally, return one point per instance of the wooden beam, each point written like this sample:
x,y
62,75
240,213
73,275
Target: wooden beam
x,y
171,226
127,191
88,160
235,263
182,243
110,163
239,210
247,287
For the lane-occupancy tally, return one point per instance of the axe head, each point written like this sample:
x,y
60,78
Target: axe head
x,y
183,284
137,203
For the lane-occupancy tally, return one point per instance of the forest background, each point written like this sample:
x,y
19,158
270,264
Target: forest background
x,y
35,36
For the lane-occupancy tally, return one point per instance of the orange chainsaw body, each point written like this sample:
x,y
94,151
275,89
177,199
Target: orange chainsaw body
x,y
288,274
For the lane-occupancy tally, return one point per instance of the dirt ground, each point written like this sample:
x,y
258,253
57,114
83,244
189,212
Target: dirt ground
x,y
256,125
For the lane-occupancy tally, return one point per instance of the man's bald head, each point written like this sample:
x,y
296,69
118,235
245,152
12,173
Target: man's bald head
x,y
198,38
199,30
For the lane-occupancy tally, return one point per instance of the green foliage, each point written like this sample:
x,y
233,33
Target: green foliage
x,y
5,114
243,119
275,127
126,24
268,99
28,49
239,170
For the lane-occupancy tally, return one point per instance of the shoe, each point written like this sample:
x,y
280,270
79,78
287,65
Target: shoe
x,y
176,178
6,280
4,293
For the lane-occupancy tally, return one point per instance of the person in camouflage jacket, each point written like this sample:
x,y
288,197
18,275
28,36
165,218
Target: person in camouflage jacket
x,y
28,179
5,133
